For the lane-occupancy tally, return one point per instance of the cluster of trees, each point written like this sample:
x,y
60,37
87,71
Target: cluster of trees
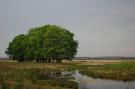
x,y
49,43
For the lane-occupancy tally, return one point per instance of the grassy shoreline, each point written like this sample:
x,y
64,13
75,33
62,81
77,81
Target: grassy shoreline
x,y
13,71
120,71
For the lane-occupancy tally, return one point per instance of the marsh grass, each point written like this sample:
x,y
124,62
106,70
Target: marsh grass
x,y
130,66
119,71
26,75
30,79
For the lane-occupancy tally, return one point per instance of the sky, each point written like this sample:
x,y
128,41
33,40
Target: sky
x,y
102,27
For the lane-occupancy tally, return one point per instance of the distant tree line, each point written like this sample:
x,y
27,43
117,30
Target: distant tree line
x,y
46,44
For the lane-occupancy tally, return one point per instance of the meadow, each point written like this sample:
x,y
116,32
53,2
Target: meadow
x,y
14,75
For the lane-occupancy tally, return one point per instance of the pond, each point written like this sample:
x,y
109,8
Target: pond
x,y
87,82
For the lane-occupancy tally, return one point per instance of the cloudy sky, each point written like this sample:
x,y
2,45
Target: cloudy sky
x,y
102,27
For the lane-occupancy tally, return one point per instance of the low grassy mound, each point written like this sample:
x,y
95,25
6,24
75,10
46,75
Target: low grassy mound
x,y
119,71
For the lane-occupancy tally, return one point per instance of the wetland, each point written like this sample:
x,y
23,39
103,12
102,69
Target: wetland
x,y
94,74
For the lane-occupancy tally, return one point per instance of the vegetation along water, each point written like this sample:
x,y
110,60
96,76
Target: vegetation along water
x,y
68,75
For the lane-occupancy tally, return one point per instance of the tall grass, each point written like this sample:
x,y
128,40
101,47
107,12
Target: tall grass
x,y
120,66
120,71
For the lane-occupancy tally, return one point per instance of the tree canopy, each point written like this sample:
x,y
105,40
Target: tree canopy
x,y
49,43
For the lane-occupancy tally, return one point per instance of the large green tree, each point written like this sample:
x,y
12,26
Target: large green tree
x,y
59,43
16,48
49,43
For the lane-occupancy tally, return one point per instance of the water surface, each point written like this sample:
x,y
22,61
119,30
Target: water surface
x,y
87,82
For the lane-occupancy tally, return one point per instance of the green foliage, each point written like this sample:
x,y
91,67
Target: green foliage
x,y
59,43
16,48
48,43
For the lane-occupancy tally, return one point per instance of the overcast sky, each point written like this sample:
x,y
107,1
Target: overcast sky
x,y
102,27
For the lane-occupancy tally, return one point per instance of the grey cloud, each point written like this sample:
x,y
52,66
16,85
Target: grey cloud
x,y
102,27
